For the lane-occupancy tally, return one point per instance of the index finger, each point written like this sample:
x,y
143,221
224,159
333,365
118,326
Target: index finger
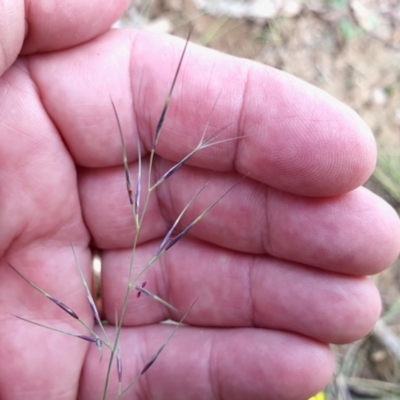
x,y
290,135
37,26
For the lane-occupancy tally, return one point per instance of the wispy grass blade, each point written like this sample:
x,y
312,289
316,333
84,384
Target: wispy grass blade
x,y
168,99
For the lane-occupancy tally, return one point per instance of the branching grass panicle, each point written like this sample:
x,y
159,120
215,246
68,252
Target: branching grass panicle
x,y
172,237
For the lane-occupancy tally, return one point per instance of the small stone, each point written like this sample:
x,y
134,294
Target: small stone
x,y
379,356
160,25
378,96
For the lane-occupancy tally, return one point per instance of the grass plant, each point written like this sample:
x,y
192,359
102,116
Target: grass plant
x,y
133,283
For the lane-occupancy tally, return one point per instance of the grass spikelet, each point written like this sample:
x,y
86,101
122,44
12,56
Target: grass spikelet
x,y
164,244
168,99
147,292
119,369
157,354
48,296
200,217
161,348
124,156
77,335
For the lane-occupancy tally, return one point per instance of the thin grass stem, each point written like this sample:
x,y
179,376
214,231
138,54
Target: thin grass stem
x,y
139,220
138,184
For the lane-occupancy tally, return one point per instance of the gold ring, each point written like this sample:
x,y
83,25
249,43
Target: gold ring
x,y
96,281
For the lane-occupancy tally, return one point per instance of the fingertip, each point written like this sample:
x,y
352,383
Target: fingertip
x,y
319,369
56,25
286,367
360,311
301,139
385,228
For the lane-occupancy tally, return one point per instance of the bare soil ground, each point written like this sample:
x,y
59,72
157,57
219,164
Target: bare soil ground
x,y
352,50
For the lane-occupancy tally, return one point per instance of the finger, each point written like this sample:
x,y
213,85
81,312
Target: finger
x,y
214,364
290,135
58,24
237,290
12,31
355,233
36,26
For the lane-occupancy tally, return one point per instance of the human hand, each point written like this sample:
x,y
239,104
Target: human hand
x,y
286,251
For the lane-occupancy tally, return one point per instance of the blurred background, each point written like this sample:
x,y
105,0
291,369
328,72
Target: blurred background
x,y
351,49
